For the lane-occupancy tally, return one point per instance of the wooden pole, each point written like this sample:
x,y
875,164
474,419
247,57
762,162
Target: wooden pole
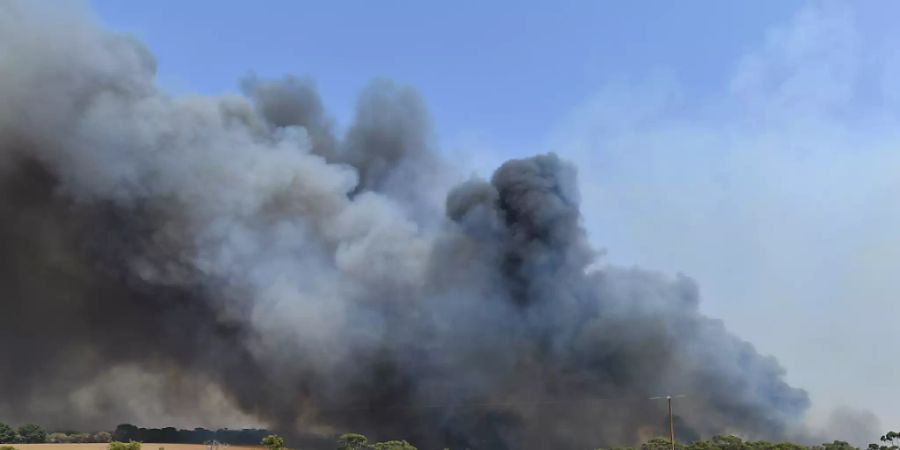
x,y
671,423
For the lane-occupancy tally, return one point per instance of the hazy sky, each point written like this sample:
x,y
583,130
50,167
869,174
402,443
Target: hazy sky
x,y
753,146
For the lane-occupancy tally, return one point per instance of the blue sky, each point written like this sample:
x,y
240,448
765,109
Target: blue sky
x,y
501,72
750,145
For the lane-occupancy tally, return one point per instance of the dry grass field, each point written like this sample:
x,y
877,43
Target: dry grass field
x,y
145,446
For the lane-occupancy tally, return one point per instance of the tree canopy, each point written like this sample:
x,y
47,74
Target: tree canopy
x,y
273,442
353,441
131,445
728,442
7,434
32,434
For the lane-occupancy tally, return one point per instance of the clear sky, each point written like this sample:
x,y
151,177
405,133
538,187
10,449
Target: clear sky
x,y
750,145
502,72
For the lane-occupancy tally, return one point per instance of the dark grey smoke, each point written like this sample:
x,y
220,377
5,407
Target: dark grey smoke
x,y
232,258
293,101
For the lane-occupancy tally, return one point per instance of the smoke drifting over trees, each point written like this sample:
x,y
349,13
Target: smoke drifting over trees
x,y
237,247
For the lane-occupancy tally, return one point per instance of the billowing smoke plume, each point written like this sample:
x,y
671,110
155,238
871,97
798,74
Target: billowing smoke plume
x,y
184,253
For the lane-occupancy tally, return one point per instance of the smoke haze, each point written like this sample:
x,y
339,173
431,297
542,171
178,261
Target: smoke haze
x,y
235,259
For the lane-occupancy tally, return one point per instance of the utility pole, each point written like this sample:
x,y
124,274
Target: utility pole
x,y
671,422
671,417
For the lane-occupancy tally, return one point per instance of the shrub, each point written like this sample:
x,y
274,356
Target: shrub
x,y
273,442
130,445
352,441
32,434
58,438
7,434
393,445
81,438
7,447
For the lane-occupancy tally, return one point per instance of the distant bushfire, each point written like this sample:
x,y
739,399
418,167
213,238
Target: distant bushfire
x,y
237,248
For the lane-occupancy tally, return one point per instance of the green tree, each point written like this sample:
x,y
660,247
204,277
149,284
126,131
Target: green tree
x,y
352,441
393,445
58,438
660,443
130,445
701,445
32,434
7,434
273,442
787,446
82,438
102,436
836,445
888,442
125,432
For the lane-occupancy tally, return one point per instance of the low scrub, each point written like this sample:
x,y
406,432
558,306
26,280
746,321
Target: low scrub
x,y
131,445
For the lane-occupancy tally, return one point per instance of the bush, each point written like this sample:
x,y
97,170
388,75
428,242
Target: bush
x,y
7,434
130,445
32,434
352,441
81,438
7,447
273,442
393,445
58,438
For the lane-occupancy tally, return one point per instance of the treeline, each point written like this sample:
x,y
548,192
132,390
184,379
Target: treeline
x,y
247,436
129,437
74,437
26,434
34,434
889,441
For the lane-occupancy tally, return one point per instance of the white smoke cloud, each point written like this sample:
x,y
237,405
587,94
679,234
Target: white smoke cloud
x,y
316,280
775,192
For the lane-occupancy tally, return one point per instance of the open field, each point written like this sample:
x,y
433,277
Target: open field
x,y
144,446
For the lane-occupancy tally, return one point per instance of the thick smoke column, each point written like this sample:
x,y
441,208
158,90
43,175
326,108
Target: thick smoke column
x,y
239,248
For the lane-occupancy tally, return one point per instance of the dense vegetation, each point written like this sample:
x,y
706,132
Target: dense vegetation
x,y
273,442
78,438
352,441
26,434
129,437
247,436
131,445
33,434
734,443
889,441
